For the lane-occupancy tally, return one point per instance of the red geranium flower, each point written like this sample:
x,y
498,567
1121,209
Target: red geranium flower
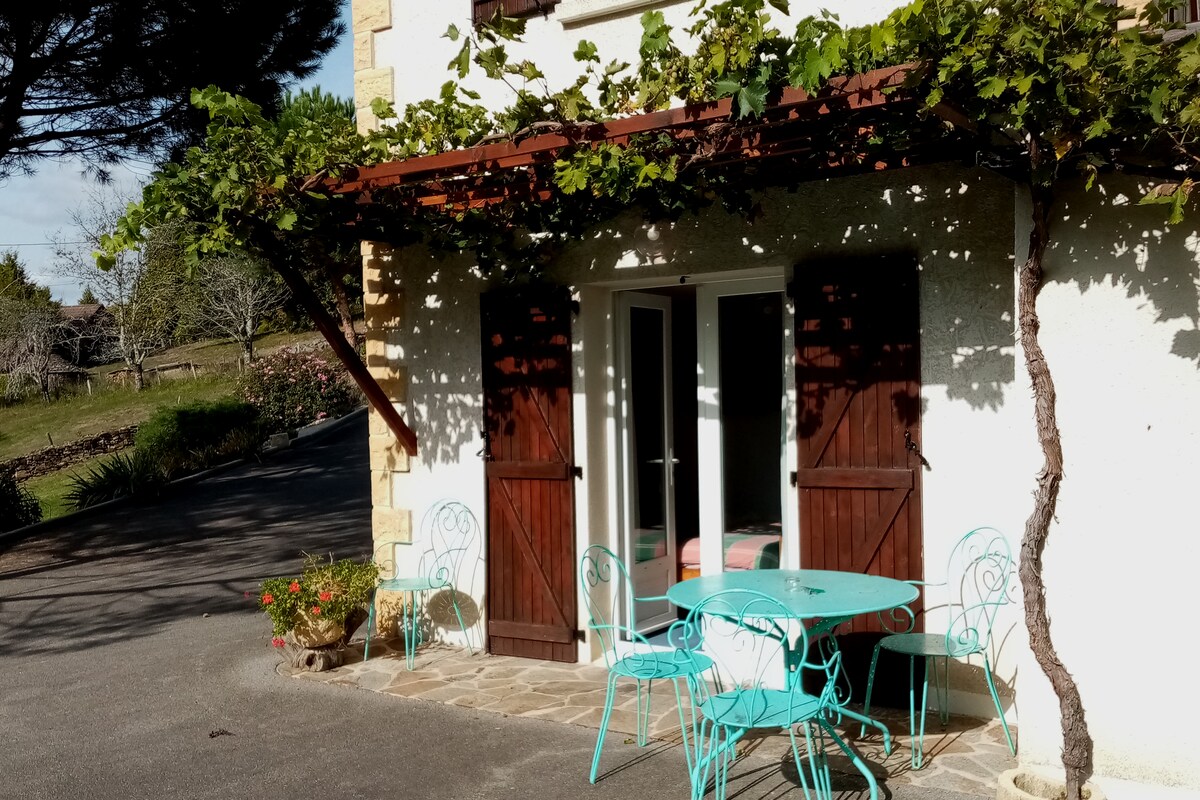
x,y
268,599
295,587
277,642
316,611
325,597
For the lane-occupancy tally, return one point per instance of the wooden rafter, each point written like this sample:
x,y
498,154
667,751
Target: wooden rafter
x,y
430,176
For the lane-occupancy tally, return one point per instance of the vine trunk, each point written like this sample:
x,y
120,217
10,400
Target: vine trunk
x,y
1077,742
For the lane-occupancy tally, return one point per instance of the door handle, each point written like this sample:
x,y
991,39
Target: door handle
x,y
911,447
485,451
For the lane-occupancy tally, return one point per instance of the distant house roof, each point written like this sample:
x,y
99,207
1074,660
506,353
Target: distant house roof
x,y
83,312
60,366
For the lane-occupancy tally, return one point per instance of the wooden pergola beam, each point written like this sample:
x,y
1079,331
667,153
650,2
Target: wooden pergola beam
x,y
841,95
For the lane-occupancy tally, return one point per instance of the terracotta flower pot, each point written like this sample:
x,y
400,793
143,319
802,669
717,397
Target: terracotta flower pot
x,y
1025,784
310,631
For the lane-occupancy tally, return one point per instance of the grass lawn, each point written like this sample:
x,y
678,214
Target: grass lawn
x,y
24,427
51,489
218,352
32,424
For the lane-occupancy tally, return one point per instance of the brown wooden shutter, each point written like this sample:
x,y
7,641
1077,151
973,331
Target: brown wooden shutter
x,y
484,10
859,390
530,476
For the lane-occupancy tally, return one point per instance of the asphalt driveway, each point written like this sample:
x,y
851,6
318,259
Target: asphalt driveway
x,y
134,665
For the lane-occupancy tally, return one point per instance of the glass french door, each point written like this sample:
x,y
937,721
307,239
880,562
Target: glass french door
x,y
644,402
743,369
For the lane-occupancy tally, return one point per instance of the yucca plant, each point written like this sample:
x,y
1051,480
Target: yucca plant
x,y
136,475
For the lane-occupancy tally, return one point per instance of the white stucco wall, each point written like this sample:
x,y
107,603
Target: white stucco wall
x,y
956,222
1119,316
416,49
1119,326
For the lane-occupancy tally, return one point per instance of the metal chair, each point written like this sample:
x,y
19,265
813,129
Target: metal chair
x,y
977,579
762,652
448,532
628,654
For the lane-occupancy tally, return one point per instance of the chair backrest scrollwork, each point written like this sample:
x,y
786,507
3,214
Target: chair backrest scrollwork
x,y
747,635
608,595
449,531
978,575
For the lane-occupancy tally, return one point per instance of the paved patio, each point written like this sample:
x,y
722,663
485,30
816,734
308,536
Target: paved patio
x,y
964,757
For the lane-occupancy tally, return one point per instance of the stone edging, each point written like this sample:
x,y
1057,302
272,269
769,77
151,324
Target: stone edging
x,y
308,434
58,457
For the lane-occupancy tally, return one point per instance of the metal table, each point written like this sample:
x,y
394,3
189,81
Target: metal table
x,y
827,597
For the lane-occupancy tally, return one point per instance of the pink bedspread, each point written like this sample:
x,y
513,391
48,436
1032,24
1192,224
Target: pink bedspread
x,y
742,551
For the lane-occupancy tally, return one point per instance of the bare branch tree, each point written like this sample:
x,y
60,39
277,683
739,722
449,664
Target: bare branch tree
x,y
31,333
140,289
233,295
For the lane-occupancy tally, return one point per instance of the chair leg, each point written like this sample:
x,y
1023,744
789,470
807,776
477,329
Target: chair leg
x,y
854,758
461,626
412,635
796,760
643,716
704,759
608,705
687,755
941,685
987,671
370,624
918,739
862,728
724,756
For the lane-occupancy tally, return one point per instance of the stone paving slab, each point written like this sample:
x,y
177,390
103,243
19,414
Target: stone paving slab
x,y
964,757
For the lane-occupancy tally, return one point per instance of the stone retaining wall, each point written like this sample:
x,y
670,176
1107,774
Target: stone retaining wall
x,y
52,459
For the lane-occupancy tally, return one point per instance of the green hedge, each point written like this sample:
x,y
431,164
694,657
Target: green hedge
x,y
199,435
175,441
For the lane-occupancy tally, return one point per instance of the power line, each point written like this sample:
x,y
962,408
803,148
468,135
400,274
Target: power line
x,y
37,244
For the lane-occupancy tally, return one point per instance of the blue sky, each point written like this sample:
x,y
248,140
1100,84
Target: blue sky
x,y
33,209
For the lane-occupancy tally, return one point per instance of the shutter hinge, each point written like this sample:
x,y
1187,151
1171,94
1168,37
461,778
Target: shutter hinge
x,y
794,478
577,472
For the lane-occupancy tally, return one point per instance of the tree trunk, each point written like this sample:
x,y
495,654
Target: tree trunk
x,y
345,352
1077,742
248,344
139,381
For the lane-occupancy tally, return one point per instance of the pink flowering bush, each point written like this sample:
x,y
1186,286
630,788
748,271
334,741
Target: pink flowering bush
x,y
292,389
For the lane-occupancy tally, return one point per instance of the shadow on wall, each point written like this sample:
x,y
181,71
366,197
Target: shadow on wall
x,y
1139,252
958,222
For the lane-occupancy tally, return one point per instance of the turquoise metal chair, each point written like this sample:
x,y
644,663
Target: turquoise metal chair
x,y
448,532
761,650
977,579
627,654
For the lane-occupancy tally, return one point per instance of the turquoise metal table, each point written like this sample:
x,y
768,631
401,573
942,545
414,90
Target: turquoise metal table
x,y
815,594
826,597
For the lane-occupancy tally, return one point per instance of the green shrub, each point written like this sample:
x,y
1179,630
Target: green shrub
x,y
123,475
195,436
293,389
18,506
332,590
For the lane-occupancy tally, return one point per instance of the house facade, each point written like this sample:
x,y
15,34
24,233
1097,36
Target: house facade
x,y
692,400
